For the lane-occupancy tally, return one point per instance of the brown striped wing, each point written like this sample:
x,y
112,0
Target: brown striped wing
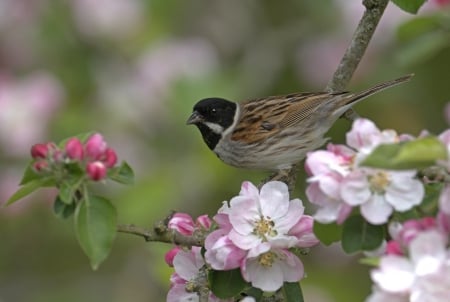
x,y
262,118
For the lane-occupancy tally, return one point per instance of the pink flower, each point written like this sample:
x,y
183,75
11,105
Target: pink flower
x,y
221,252
109,157
170,255
204,222
182,223
303,230
365,136
187,265
442,2
255,233
96,170
424,275
379,192
39,151
95,146
271,269
74,149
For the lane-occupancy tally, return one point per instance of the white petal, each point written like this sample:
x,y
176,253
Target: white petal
x,y
265,278
376,210
293,215
444,199
427,251
328,214
243,214
355,189
185,264
274,199
403,193
394,275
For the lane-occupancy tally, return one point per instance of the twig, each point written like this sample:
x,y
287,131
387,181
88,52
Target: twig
x,y
162,235
358,45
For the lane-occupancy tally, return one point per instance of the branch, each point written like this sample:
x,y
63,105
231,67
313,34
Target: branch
x,y
161,233
349,62
358,45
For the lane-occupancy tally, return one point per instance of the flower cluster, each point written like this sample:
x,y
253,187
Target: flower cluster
x,y
256,232
338,182
94,156
187,265
416,266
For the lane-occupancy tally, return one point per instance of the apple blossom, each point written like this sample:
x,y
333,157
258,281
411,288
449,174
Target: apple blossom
x,y
422,275
255,232
187,265
74,149
182,223
337,182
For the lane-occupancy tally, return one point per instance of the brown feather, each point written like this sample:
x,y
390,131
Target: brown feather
x,y
257,121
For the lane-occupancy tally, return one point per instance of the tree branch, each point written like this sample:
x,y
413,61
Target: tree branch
x,y
358,45
161,233
347,66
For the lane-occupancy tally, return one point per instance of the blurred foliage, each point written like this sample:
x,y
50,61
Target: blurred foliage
x,y
133,69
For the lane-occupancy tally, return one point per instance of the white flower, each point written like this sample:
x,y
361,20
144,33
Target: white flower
x,y
423,277
379,192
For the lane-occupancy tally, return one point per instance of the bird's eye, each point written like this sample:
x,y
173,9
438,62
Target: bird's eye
x,y
213,111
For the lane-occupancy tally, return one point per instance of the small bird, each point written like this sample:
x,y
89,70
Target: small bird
x,y
276,132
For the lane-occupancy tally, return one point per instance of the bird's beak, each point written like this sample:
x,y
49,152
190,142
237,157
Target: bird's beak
x,y
195,118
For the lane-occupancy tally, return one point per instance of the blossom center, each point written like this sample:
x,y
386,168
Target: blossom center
x,y
267,259
264,227
379,181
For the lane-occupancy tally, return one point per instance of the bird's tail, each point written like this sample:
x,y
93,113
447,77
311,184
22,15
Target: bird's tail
x,y
375,89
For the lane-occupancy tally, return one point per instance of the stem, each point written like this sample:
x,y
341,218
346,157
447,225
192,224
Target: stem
x,y
165,234
358,45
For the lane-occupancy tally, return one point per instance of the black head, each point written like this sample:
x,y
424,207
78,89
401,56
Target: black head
x,y
213,116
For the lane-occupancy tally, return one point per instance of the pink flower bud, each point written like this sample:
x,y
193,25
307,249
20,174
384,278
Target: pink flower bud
x,y
95,146
96,170
393,248
40,165
204,221
39,151
110,157
171,254
74,149
183,223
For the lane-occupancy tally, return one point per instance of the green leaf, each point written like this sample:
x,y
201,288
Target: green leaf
x,y
255,293
123,174
416,154
327,233
29,175
95,226
63,210
359,235
67,192
410,6
293,292
226,284
29,187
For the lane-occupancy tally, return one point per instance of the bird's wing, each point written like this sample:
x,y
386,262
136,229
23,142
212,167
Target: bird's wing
x,y
262,118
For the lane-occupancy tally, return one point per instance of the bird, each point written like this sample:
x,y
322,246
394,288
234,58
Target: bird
x,y
276,132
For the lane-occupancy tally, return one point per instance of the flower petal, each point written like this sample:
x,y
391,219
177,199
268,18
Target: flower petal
x,y
376,210
274,199
355,188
